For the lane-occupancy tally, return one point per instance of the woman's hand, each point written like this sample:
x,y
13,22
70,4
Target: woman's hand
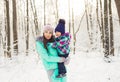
x,y
62,59
67,61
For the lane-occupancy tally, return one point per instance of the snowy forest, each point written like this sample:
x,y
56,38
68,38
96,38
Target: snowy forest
x,y
93,24
21,21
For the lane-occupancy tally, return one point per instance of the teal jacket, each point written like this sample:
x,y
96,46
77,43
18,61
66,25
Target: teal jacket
x,y
49,58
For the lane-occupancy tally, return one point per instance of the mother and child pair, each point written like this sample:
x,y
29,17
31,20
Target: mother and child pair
x,y
61,43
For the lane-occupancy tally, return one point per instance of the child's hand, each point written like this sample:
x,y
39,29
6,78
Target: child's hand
x,y
67,61
62,59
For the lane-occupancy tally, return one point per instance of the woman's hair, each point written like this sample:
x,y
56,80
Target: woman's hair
x,y
45,41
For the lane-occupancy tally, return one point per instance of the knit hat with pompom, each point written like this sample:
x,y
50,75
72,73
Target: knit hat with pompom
x,y
61,26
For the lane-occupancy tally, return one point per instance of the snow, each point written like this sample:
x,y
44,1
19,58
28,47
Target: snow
x,y
83,67
87,65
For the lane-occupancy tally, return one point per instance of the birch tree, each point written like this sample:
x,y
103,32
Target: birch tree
x,y
117,2
44,12
7,19
106,28
27,27
15,35
102,26
111,30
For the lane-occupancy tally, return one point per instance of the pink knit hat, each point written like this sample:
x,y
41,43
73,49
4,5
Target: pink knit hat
x,y
48,27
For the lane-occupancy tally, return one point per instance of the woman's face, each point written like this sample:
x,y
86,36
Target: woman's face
x,y
48,35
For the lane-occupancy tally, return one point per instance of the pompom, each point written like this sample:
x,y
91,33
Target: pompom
x,y
62,21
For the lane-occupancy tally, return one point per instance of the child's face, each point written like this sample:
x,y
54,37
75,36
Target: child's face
x,y
57,34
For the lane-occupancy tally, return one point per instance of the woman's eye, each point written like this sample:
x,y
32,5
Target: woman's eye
x,y
50,32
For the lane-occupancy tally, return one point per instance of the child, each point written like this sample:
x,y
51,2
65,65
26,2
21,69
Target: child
x,y
61,43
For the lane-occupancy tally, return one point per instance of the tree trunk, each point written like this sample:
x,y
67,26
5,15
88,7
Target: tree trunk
x,y
8,52
1,39
80,23
117,2
69,25
44,12
57,8
106,28
87,20
111,30
27,28
100,21
102,27
97,15
15,37
74,36
91,25
35,18
57,11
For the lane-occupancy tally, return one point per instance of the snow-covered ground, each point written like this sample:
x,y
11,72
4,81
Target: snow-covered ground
x,y
83,67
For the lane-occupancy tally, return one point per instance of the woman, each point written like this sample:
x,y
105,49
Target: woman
x,y
49,55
